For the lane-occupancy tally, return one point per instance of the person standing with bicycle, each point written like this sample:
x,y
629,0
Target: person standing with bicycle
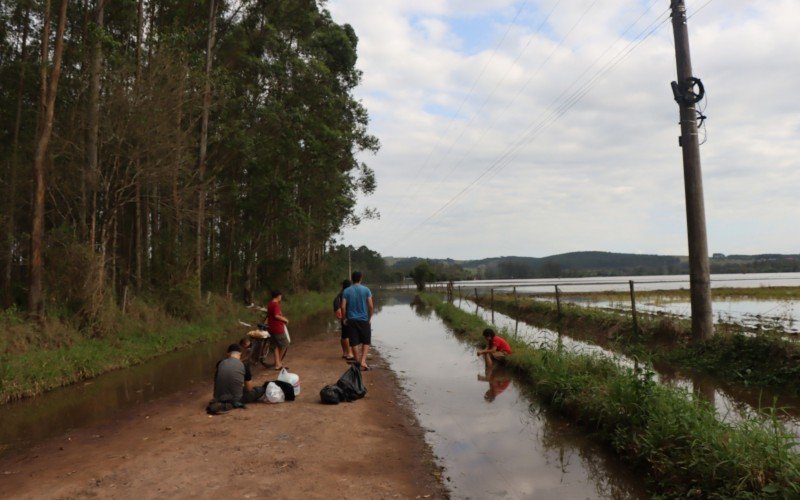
x,y
276,325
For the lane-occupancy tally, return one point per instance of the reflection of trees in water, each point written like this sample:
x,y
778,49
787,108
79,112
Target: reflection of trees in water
x,y
571,446
421,308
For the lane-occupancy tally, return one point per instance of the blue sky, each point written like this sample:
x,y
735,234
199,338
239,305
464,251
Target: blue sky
x,y
607,174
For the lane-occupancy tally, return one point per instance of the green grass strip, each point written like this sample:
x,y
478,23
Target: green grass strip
x,y
761,360
39,367
678,440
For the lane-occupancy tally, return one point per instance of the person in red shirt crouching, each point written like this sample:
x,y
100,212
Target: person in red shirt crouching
x,y
496,348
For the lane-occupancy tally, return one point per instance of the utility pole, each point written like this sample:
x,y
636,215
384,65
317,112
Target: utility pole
x,y
686,97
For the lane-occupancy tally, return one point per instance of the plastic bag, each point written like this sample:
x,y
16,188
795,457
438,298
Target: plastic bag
x,y
351,384
274,394
331,395
290,378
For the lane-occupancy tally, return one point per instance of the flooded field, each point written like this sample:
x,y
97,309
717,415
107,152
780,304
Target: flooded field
x,y
731,402
493,440
620,283
767,314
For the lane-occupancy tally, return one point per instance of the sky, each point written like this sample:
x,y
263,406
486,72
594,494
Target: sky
x,y
538,127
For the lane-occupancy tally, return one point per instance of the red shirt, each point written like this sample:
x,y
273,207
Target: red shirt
x,y
501,345
274,325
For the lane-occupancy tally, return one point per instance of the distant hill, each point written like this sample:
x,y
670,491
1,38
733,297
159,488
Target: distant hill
x,y
576,264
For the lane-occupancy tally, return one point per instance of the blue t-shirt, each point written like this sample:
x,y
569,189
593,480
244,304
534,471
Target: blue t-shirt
x,y
356,297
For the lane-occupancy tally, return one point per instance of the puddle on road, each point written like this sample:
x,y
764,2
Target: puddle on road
x,y
101,399
493,440
731,403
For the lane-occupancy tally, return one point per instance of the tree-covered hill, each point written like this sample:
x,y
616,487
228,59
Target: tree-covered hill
x,y
576,264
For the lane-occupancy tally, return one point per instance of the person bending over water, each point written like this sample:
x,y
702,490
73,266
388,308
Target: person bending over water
x,y
496,348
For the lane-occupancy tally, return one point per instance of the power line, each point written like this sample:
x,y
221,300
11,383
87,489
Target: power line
x,y
467,96
508,71
519,93
559,111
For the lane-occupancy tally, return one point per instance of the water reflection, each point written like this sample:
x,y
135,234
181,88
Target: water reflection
x,y
106,397
492,437
731,402
498,381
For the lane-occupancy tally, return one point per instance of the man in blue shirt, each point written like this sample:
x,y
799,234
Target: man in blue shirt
x,y
357,308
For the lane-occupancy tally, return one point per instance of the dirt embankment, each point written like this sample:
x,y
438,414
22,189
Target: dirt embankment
x,y
373,448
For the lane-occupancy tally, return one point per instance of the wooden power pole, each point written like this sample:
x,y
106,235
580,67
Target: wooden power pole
x,y
687,97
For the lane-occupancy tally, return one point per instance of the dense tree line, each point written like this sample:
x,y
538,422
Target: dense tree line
x,y
150,146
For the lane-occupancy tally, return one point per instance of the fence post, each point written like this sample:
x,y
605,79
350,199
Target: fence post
x,y
633,311
476,295
558,301
516,304
492,303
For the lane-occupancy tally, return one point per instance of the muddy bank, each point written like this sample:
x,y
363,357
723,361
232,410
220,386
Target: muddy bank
x,y
373,448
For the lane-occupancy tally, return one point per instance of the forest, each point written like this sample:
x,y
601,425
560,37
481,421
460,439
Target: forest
x,y
166,149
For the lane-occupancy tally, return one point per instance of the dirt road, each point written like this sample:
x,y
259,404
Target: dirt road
x,y
372,448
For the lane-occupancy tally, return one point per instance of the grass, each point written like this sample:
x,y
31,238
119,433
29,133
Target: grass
x,y
35,360
685,450
763,360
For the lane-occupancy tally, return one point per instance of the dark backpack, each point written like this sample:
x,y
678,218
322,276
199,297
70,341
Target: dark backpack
x,y
331,395
351,384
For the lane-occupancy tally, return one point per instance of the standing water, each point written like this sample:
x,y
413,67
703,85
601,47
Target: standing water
x,y
104,398
492,438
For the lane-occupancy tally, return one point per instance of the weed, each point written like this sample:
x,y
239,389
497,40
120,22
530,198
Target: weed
x,y
687,451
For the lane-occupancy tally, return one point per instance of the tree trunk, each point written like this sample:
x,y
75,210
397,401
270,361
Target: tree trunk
x,y
35,299
138,250
13,168
201,198
92,145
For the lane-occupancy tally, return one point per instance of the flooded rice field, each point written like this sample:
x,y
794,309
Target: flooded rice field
x,y
731,402
493,440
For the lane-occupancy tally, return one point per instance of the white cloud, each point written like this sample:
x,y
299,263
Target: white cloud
x,y
605,176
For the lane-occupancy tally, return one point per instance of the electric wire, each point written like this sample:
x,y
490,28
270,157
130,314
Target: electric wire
x,y
464,101
559,111
524,86
581,93
564,91
518,94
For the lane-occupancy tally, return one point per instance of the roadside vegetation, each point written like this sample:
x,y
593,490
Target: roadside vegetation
x,y
764,359
34,359
677,440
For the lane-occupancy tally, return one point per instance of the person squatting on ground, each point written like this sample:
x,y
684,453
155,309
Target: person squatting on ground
x,y
347,351
496,348
357,309
276,325
233,382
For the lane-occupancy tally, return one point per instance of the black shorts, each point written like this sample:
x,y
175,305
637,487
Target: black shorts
x,y
359,332
345,331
